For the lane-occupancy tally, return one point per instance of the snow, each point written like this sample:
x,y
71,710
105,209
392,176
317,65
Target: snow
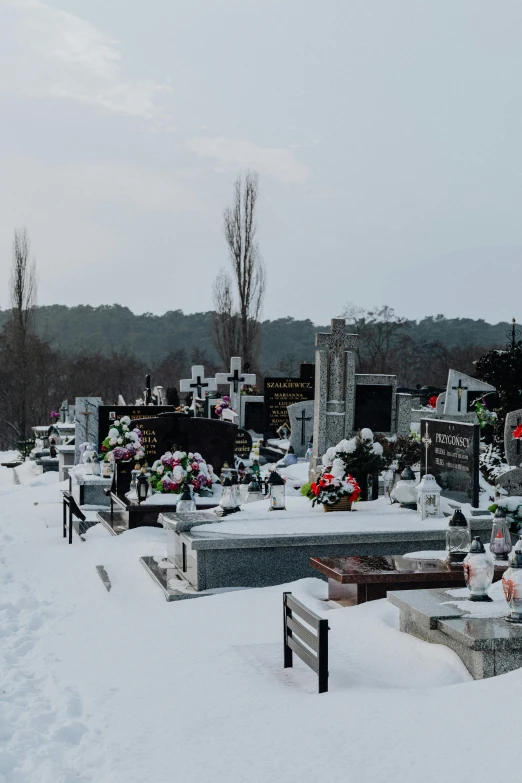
x,y
123,687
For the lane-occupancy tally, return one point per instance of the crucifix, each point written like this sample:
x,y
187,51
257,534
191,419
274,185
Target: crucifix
x,y
197,383
302,418
459,389
336,343
427,443
236,380
86,413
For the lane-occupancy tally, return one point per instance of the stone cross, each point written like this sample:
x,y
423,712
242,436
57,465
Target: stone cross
x,y
86,419
332,381
236,380
459,389
197,383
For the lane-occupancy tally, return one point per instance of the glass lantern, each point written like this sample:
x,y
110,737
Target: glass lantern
x,y
399,467
228,503
428,497
458,537
243,488
478,571
255,491
500,545
186,501
96,466
512,586
405,491
236,489
88,464
226,473
142,487
276,492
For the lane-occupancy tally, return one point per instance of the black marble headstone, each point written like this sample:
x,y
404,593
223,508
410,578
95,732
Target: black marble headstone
x,y
243,445
214,440
279,394
452,456
254,416
109,413
373,407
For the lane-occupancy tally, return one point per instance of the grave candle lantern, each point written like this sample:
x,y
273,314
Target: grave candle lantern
x,y
228,503
255,491
405,491
512,586
88,465
276,492
478,571
428,497
186,502
243,488
500,545
458,537
142,487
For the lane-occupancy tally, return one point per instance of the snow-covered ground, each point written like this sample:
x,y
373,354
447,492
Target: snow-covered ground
x,y
123,687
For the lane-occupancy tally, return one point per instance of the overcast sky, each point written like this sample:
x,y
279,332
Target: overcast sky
x,y
387,137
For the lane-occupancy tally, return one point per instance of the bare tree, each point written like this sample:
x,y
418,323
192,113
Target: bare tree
x,y
237,321
378,330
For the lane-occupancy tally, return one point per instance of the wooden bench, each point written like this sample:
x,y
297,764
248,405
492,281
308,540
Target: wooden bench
x,y
310,644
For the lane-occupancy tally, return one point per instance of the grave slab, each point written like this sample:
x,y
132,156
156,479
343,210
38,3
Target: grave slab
x,y
487,646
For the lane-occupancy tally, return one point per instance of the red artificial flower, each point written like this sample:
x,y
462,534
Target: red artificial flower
x,y
432,402
517,432
315,489
104,448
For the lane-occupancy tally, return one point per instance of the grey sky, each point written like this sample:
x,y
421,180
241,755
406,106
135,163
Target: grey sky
x,y
386,134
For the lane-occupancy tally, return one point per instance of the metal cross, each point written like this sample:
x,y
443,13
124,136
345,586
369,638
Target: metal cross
x,y
302,418
427,443
459,389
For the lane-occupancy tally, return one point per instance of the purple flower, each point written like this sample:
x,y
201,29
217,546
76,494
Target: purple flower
x,y
118,452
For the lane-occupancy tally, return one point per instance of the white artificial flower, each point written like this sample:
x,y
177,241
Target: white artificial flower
x,y
366,433
119,441
377,449
156,464
117,423
160,469
338,469
197,455
128,435
168,455
178,473
113,441
124,428
125,420
190,455
113,432
178,455
140,453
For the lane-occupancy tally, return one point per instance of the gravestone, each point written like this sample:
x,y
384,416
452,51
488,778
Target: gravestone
x,y
253,413
236,379
214,440
510,482
243,444
375,402
301,416
404,405
512,446
85,422
110,413
450,452
441,400
461,392
197,385
279,394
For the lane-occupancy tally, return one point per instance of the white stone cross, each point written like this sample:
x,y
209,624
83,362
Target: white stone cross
x,y
336,344
236,381
197,383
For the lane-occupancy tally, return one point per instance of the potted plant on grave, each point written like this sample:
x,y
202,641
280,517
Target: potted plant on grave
x,y
172,470
335,488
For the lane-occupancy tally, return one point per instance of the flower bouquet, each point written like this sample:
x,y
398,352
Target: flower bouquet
x,y
172,470
335,489
222,405
123,444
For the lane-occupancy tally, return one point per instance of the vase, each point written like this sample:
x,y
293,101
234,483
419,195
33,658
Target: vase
x,y
344,504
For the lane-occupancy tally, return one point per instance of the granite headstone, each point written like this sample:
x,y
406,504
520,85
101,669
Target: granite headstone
x,y
111,413
243,444
450,452
512,446
279,394
461,392
301,417
510,482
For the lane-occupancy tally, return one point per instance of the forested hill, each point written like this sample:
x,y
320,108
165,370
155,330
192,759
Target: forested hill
x,y
86,329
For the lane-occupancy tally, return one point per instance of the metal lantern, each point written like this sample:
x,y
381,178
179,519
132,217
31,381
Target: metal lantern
x,y
276,492
478,571
186,501
228,503
428,497
500,545
142,487
255,491
458,537
405,491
